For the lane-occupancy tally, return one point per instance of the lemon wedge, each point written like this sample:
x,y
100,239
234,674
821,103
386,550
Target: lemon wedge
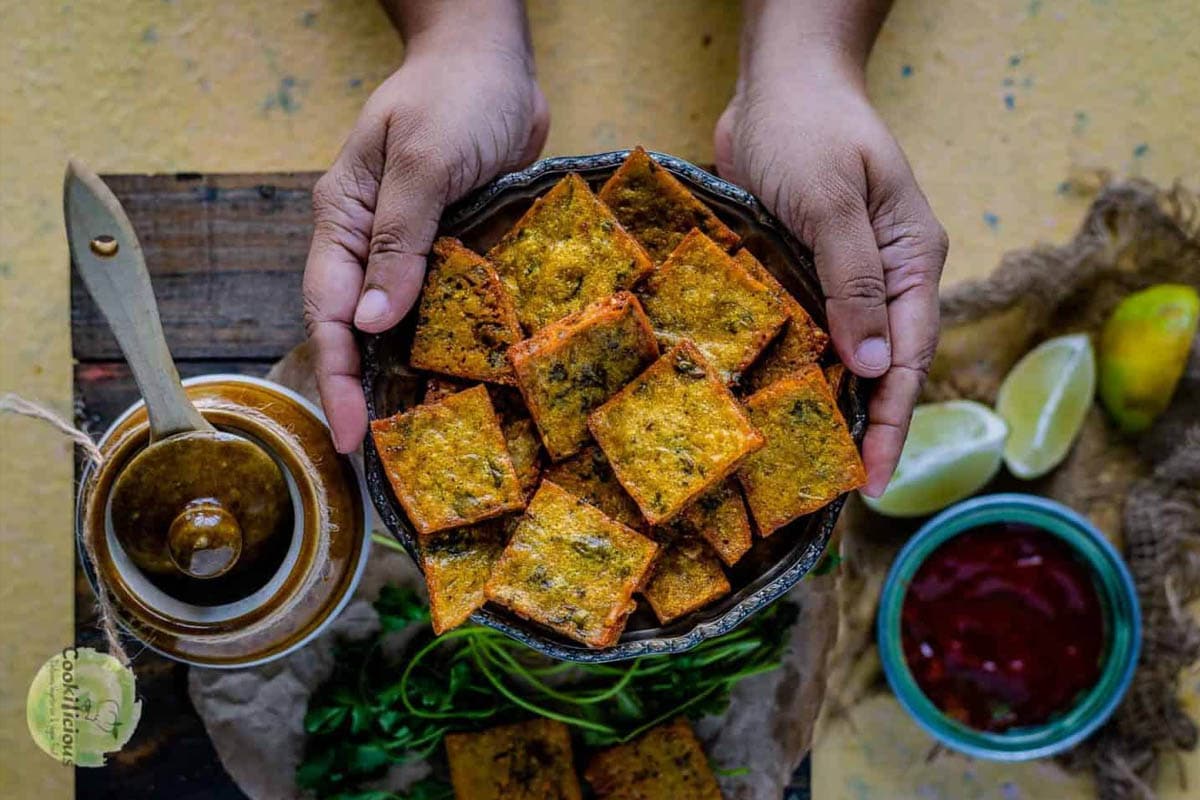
x,y
952,451
1044,399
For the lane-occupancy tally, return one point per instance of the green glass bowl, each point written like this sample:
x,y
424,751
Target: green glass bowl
x,y
1122,625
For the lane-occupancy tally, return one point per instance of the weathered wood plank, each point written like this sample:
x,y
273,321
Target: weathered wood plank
x,y
226,255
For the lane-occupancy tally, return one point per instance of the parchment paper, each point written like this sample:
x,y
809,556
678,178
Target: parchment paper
x,y
255,716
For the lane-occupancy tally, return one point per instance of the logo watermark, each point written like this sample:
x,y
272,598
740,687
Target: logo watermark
x,y
81,706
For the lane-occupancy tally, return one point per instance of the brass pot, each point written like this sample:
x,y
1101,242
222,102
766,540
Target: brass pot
x,y
280,603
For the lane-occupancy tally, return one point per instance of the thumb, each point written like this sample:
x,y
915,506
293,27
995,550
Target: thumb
x,y
412,194
851,273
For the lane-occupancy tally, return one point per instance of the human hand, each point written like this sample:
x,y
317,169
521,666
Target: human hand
x,y
463,107
813,148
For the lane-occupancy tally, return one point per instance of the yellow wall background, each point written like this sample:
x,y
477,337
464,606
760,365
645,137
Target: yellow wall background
x,y
999,103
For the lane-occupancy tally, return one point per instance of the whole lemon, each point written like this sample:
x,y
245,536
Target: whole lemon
x,y
1143,351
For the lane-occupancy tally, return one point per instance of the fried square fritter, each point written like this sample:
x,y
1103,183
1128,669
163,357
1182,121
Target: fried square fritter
x,y
567,251
588,475
700,293
809,459
526,761
525,449
665,763
673,433
457,563
573,365
802,340
719,516
520,434
657,209
687,576
448,463
835,376
439,388
571,568
465,321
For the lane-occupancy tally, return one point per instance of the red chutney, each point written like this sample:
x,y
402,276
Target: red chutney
x,y
1002,627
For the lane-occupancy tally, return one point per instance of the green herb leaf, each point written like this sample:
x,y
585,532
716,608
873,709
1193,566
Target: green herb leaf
x,y
324,720
368,759
315,769
730,772
372,712
398,608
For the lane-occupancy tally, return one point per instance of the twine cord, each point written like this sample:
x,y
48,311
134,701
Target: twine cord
x,y
11,403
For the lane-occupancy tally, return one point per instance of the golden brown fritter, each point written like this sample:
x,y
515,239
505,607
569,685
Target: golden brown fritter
x,y
809,459
588,475
835,376
525,449
657,209
567,251
700,293
687,576
465,321
505,399
666,763
720,517
439,388
457,563
571,366
673,433
526,761
802,340
448,463
571,568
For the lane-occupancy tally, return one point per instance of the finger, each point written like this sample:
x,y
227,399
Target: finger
x,y
339,383
539,131
332,282
412,193
723,149
851,274
913,247
913,318
890,413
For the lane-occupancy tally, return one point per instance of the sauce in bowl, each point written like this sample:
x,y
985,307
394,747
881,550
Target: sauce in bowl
x,y
1002,626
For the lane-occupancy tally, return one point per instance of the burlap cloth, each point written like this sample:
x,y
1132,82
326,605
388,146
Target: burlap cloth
x,y
1143,492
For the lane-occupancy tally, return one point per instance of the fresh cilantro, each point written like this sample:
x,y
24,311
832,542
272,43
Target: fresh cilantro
x,y
398,608
374,712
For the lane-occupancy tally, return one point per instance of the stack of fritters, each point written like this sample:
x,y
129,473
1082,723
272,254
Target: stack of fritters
x,y
613,448
533,760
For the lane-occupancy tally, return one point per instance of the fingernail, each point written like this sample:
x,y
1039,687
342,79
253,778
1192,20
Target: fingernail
x,y
874,353
371,308
874,487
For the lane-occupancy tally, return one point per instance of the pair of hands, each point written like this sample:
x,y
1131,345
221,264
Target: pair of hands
x,y
810,146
